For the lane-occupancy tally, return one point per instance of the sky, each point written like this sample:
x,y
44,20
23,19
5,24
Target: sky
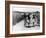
x,y
25,8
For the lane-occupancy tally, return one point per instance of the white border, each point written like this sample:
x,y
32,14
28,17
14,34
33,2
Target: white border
x,y
32,31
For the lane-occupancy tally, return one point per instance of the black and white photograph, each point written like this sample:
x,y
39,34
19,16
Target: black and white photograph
x,y
25,18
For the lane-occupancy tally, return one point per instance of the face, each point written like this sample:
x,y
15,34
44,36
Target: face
x,y
26,13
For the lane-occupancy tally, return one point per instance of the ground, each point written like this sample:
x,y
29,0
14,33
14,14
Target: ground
x,y
20,27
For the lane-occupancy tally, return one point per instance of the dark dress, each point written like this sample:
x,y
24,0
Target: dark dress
x,y
29,19
25,19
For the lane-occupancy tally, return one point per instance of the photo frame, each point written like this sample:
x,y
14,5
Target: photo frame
x,y
24,18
